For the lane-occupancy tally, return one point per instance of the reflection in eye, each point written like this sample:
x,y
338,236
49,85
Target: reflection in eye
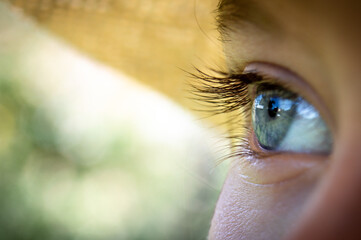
x,y
284,121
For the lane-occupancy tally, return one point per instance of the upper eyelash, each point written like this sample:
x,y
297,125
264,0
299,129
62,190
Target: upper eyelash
x,y
226,93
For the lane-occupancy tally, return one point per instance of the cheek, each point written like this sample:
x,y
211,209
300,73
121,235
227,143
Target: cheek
x,y
254,211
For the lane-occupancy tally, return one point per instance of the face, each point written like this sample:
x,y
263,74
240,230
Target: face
x,y
302,178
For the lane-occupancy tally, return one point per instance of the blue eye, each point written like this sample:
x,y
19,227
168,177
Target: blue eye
x,y
284,121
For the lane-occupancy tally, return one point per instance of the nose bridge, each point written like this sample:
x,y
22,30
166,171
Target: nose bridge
x,y
334,212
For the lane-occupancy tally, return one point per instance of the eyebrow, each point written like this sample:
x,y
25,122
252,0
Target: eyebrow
x,y
235,13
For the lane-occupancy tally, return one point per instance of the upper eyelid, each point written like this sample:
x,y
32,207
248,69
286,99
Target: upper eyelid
x,y
280,75
273,84
259,78
253,76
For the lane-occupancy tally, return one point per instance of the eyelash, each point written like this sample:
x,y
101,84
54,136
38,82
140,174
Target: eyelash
x,y
226,93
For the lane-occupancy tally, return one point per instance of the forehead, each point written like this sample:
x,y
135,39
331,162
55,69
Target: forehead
x,y
321,27
277,15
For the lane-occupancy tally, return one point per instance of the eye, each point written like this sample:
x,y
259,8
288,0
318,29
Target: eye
x,y
283,121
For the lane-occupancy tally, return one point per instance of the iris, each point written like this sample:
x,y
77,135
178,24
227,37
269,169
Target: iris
x,y
284,121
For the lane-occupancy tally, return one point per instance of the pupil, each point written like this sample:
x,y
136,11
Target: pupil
x,y
272,108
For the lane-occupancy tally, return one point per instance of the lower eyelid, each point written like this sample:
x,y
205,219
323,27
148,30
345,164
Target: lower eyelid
x,y
278,168
268,167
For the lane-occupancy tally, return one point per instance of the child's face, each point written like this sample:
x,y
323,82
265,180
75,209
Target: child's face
x,y
315,47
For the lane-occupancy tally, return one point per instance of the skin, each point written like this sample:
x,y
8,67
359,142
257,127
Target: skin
x,y
300,196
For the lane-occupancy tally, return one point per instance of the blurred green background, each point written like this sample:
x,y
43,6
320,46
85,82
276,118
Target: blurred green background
x,y
86,152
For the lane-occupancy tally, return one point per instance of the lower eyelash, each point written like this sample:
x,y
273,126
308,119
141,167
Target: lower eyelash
x,y
225,93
